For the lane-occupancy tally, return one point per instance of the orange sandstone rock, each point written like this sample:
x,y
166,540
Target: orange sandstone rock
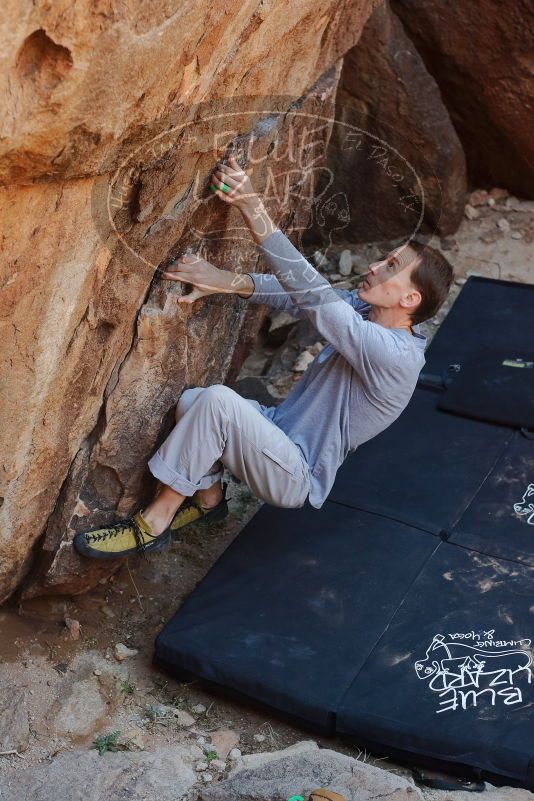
x,y
113,115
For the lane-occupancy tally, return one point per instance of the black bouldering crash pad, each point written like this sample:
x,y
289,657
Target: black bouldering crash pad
x,y
401,614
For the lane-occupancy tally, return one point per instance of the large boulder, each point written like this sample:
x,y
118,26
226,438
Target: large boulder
x,y
480,53
394,152
112,119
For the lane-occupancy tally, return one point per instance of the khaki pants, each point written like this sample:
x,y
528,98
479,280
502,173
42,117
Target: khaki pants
x,y
215,427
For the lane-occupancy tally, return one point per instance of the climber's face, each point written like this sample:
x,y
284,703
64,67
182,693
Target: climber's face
x,y
388,281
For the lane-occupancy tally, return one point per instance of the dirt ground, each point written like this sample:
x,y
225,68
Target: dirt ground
x,y
38,650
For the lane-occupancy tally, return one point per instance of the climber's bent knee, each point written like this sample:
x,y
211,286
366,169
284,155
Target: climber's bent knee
x,y
185,400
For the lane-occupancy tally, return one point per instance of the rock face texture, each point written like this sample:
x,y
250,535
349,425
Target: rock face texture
x,y
394,153
482,61
113,117
304,767
165,774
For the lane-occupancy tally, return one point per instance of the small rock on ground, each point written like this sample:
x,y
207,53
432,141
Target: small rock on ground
x,y
87,694
303,361
471,213
122,652
223,741
345,262
82,709
14,726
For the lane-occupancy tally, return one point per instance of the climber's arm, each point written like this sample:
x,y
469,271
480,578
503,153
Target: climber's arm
x,y
268,289
367,346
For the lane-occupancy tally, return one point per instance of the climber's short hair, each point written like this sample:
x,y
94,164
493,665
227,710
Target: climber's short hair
x,y
433,277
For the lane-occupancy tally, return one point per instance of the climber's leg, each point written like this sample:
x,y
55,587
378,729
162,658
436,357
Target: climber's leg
x,y
210,496
220,426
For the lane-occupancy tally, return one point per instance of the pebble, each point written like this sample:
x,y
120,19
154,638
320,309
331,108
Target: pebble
x,y
260,738
223,740
503,224
134,736
490,237
122,652
201,766
183,718
201,740
498,194
207,777
478,198
73,627
316,348
320,260
199,709
491,202
235,753
161,710
218,764
345,262
460,281
515,204
334,277
516,235
303,361
471,213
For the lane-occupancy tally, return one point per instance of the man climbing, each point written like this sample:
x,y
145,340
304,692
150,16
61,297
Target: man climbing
x,y
354,388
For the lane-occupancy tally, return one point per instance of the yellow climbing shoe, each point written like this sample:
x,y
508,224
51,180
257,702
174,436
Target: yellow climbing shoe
x,y
127,537
192,510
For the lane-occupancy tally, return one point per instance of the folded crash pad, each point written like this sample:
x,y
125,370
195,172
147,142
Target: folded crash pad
x,y
486,315
497,386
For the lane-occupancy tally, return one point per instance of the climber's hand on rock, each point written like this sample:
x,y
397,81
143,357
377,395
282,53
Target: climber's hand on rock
x,y
205,278
240,192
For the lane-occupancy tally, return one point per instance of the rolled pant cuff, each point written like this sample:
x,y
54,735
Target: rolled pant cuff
x,y
167,475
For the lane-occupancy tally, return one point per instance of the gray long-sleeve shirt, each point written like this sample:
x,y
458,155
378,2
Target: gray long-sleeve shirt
x,y
356,386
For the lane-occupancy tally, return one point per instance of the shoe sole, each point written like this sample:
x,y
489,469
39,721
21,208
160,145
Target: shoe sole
x,y
216,516
83,549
